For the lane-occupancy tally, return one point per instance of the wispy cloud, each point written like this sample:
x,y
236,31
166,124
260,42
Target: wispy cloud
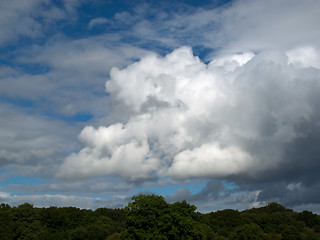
x,y
98,22
32,19
65,201
30,144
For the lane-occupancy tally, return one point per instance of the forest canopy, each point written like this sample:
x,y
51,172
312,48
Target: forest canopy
x,y
151,217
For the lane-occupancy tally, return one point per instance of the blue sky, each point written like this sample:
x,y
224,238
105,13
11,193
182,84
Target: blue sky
x,y
215,102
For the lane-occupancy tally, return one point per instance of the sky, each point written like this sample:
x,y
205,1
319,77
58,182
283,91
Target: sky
x,y
213,102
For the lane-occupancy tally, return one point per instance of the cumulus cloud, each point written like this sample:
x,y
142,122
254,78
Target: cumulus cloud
x,y
234,117
210,160
305,56
109,150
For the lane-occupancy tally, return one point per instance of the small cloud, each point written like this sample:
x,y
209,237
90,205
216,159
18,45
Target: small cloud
x,y
97,21
4,195
294,186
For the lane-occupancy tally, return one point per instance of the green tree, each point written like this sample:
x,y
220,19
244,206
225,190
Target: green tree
x,y
223,222
248,232
151,217
7,222
291,233
309,218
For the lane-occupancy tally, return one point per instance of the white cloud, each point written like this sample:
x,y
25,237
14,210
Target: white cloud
x,y
71,83
210,160
231,62
109,149
260,25
305,56
105,186
239,26
91,57
97,21
17,13
19,18
188,119
74,70
4,195
59,200
32,144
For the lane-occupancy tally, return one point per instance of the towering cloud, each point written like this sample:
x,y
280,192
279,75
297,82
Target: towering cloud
x,y
238,116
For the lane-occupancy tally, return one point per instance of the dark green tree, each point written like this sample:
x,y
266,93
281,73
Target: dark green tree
x,y
309,218
151,217
291,233
223,222
248,232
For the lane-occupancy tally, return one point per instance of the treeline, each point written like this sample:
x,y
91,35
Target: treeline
x,y
151,217
27,222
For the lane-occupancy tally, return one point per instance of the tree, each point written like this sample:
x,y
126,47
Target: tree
x,y
7,222
151,217
309,218
224,221
291,233
248,232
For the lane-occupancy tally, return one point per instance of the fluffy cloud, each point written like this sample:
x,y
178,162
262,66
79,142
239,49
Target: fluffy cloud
x,y
233,117
108,150
210,160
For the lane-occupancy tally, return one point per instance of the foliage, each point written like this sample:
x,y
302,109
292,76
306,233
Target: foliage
x,y
309,218
248,232
151,217
27,222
